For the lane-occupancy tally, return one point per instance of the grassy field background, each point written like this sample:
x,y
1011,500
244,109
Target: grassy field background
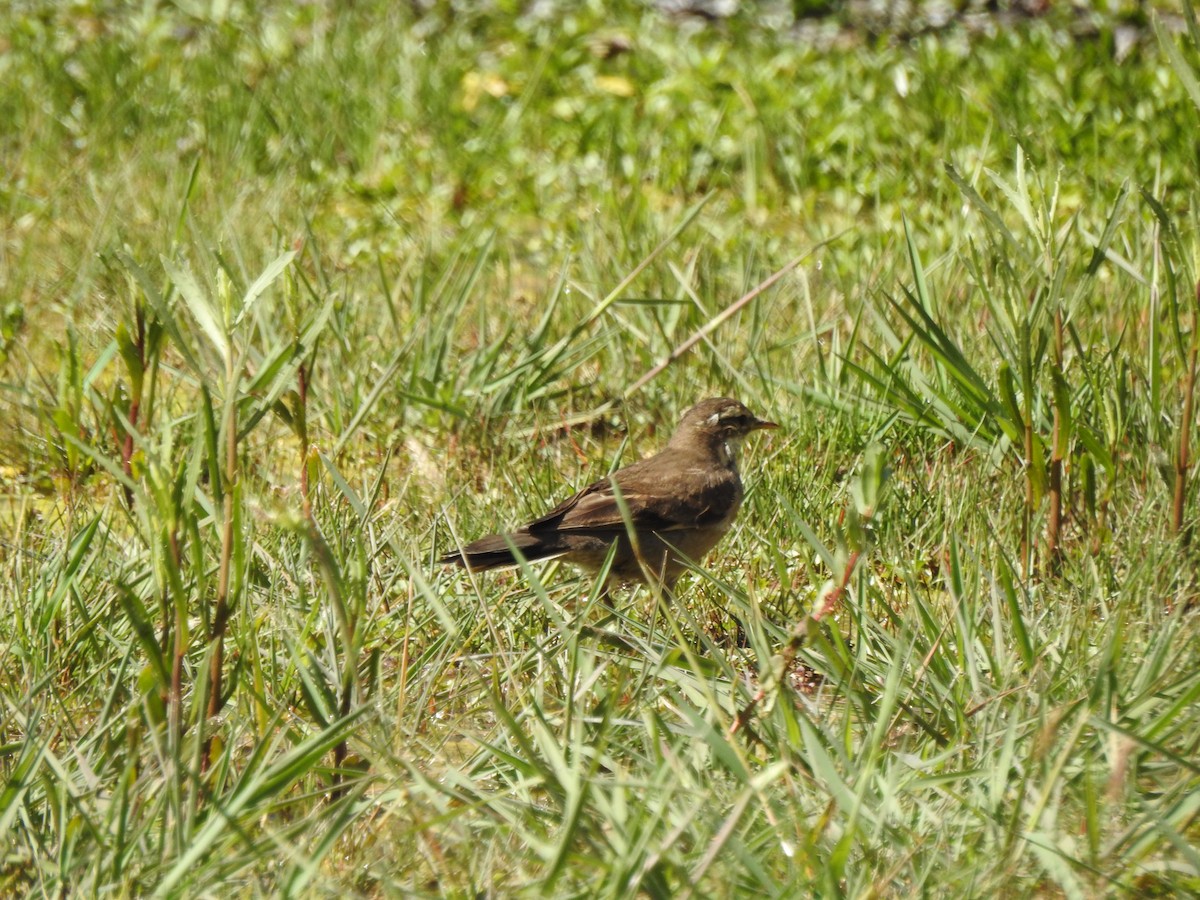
x,y
294,297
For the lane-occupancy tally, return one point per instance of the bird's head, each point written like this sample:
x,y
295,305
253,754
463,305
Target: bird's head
x,y
719,425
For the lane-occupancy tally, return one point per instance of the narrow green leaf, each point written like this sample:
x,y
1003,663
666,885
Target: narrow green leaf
x,y
1016,618
1183,71
914,260
1062,402
1017,196
1100,251
264,281
722,751
987,212
199,304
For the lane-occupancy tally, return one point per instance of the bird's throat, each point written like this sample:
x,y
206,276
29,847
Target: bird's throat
x,y
727,451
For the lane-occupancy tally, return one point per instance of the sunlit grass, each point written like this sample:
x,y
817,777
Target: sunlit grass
x,y
291,302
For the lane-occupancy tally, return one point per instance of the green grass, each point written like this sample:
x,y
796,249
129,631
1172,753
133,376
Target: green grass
x,y
291,301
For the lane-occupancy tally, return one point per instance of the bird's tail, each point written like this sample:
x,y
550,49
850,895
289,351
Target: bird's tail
x,y
496,551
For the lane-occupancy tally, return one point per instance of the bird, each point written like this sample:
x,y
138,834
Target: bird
x,y
662,513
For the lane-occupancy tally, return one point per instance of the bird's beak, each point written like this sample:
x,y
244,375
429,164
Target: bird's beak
x,y
763,424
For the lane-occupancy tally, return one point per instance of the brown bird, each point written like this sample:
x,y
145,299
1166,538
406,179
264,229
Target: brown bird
x,y
677,504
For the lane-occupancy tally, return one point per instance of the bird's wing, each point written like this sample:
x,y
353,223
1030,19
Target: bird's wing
x,y
595,508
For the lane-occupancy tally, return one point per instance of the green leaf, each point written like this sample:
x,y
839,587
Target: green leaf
x,y
162,311
264,281
1017,196
1182,70
1100,251
1062,402
199,304
987,212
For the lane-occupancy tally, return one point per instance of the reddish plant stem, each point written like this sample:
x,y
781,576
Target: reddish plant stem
x,y
127,446
796,641
302,390
221,613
